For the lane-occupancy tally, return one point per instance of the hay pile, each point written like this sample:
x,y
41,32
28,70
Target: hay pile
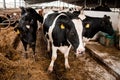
x,y
12,65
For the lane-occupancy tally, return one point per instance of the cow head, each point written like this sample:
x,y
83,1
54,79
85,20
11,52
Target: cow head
x,y
107,25
79,13
27,26
74,33
92,25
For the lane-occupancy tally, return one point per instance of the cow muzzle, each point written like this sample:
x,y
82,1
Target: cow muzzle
x,y
80,51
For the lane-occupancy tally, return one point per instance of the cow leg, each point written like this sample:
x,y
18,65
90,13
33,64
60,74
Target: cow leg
x,y
65,50
67,66
66,54
25,48
48,49
48,45
33,45
25,45
54,56
33,49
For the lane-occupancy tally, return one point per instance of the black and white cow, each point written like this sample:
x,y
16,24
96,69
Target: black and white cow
x,y
27,27
63,31
92,25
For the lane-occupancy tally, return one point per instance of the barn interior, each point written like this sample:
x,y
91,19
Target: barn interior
x,y
89,3
101,60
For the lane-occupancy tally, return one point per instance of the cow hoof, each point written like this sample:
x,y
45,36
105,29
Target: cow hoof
x,y
50,69
67,67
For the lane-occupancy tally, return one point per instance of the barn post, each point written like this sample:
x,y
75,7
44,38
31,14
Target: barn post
x,y
4,4
20,3
14,3
85,4
68,4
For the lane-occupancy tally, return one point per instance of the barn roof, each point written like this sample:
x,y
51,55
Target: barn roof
x,y
89,3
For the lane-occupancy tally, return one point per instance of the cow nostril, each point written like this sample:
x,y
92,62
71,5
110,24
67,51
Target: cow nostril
x,y
80,51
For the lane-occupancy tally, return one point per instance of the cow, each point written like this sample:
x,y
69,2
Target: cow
x,y
92,25
63,32
27,27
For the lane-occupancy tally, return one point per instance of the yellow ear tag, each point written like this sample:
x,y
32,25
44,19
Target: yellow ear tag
x,y
62,26
87,25
18,32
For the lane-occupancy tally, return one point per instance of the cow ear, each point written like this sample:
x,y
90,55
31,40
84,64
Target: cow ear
x,y
23,11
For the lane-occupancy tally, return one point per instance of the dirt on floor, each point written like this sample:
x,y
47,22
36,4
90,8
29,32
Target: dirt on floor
x,y
13,66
